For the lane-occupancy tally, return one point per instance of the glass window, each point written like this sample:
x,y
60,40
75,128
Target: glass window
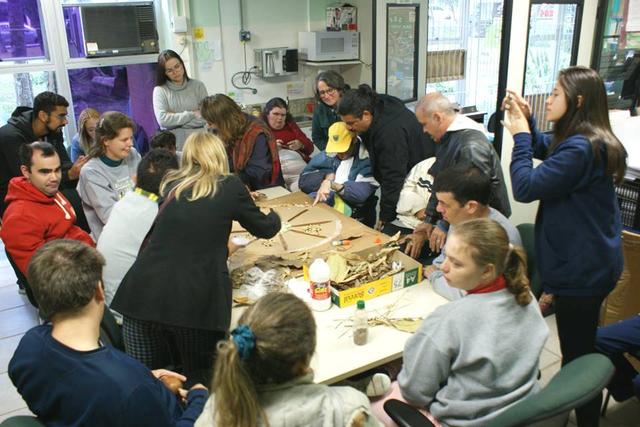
x,y
73,28
402,49
124,88
21,35
552,29
20,89
617,52
463,47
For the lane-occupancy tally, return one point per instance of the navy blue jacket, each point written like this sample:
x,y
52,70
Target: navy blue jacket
x,y
355,193
102,387
578,227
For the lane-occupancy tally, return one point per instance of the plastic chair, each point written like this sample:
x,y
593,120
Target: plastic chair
x,y
577,383
22,421
528,242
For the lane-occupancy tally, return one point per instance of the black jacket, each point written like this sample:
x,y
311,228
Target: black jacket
x,y
470,146
396,143
16,132
181,277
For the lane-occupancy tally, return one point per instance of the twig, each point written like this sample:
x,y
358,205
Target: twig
x,y
311,223
297,215
309,234
284,244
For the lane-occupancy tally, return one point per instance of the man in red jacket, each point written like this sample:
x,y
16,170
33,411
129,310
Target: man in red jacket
x,y
36,211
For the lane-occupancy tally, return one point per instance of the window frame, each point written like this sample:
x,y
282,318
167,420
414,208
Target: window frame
x,y
59,60
576,32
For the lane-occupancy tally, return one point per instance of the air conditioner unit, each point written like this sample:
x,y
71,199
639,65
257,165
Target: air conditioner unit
x,y
117,29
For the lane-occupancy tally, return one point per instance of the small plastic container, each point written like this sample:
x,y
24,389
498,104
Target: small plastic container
x,y
360,324
319,285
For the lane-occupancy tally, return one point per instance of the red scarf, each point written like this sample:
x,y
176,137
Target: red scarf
x,y
497,285
243,147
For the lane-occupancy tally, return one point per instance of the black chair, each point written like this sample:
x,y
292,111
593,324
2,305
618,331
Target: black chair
x,y
22,281
110,331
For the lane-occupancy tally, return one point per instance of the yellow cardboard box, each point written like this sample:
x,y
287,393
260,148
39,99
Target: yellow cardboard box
x,y
410,275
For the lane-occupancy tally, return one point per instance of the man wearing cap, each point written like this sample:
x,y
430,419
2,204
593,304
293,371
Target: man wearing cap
x,y
341,176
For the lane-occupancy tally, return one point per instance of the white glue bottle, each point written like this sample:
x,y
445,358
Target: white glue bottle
x,y
319,286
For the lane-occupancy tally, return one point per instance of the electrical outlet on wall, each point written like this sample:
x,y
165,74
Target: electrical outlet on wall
x,y
245,35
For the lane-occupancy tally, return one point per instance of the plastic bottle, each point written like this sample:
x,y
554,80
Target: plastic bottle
x,y
360,324
320,290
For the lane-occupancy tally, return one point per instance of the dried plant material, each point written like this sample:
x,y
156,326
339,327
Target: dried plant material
x,y
352,270
312,229
404,324
241,301
338,267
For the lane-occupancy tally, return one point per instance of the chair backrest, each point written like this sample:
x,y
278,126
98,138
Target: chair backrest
x,y
527,235
21,421
624,301
110,331
575,384
22,280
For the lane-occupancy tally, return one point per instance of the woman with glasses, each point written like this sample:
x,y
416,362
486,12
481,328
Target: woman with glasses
x,y
294,148
250,145
328,89
176,97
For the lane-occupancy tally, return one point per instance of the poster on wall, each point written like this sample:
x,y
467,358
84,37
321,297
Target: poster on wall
x,y
207,47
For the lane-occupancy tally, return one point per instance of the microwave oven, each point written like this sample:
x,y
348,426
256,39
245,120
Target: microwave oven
x,y
320,46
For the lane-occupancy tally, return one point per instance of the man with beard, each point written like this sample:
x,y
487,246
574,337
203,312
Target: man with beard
x,y
43,122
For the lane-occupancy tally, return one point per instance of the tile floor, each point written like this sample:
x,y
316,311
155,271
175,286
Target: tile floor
x,y
17,316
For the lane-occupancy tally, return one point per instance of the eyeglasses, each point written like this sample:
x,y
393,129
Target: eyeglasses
x,y
174,69
329,91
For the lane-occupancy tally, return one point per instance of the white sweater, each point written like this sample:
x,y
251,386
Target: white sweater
x,y
174,107
474,357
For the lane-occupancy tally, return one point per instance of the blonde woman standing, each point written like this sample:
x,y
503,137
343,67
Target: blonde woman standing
x,y
179,289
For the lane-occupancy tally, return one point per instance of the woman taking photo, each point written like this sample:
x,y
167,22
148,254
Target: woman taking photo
x,y
578,226
294,148
250,145
82,141
176,97
328,89
110,172
179,290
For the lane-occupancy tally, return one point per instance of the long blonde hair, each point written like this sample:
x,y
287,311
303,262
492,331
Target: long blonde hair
x,y
489,245
86,141
204,161
282,336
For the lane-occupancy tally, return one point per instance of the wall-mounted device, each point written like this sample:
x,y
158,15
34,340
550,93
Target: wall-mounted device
x,y
276,61
116,29
322,46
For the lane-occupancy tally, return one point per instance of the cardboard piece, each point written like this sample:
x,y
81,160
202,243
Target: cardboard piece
x,y
288,206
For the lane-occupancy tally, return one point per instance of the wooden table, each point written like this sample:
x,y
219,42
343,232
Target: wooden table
x,y
337,357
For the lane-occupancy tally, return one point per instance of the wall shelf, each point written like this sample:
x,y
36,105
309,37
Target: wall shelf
x,y
324,64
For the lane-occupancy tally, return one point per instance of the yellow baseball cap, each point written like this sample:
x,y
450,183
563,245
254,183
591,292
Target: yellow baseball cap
x,y
339,138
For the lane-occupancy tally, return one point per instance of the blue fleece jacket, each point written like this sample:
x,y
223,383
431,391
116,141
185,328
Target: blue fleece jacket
x,y
578,228
102,387
356,190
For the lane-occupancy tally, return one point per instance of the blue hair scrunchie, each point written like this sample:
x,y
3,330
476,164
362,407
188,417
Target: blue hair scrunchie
x,y
244,340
